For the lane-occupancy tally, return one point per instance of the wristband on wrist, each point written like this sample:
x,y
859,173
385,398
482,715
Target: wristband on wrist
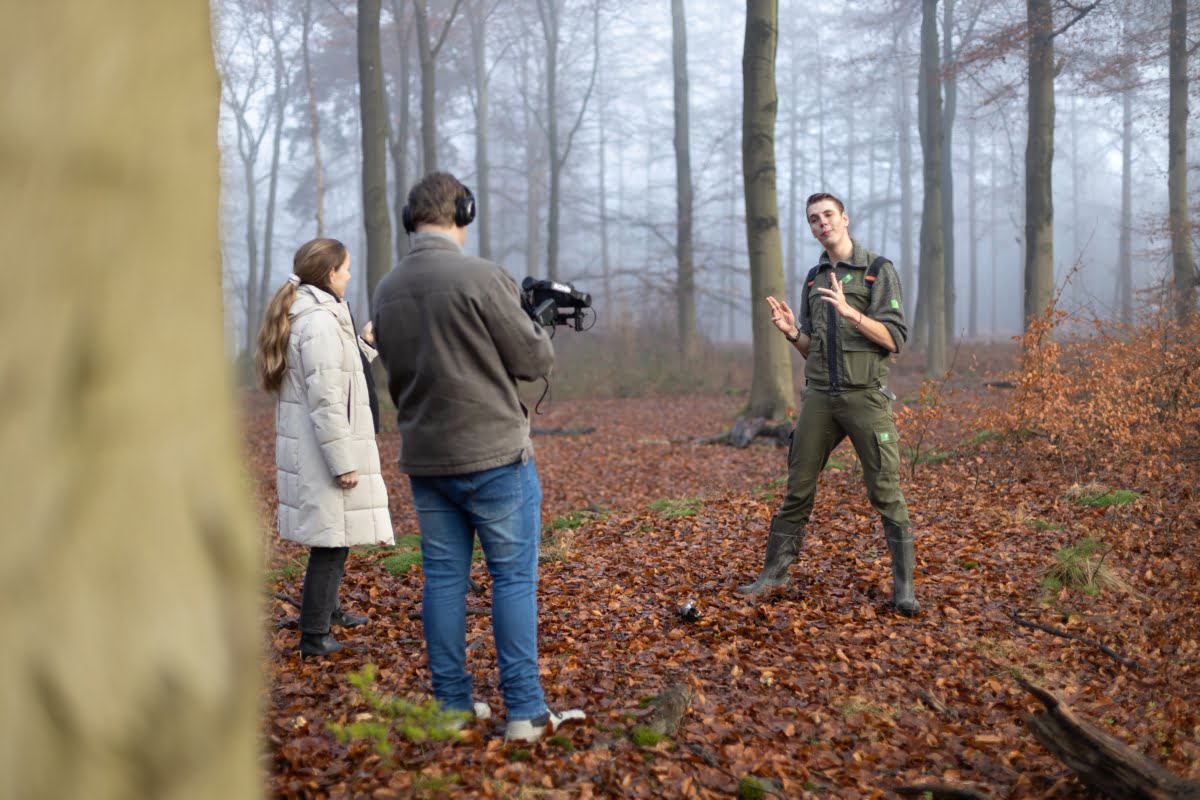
x,y
791,339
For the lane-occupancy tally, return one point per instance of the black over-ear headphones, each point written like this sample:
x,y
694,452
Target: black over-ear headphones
x,y
464,211
464,208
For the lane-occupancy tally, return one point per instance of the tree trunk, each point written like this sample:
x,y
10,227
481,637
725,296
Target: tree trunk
x,y
399,143
973,228
1039,159
425,56
279,108
374,145
795,213
932,238
550,30
314,121
904,124
950,92
771,389
1183,266
685,283
130,561
1125,256
483,234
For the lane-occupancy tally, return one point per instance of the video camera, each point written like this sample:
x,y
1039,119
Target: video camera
x,y
551,303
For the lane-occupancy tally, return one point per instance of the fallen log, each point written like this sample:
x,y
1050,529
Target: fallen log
x,y
1103,762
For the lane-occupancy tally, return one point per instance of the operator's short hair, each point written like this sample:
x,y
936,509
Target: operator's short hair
x,y
819,196
433,199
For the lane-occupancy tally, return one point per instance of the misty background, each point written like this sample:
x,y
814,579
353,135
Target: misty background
x,y
847,123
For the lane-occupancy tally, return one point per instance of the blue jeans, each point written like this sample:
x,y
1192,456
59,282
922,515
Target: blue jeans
x,y
503,505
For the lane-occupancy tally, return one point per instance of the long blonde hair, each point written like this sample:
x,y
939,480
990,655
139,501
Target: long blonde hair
x,y
313,263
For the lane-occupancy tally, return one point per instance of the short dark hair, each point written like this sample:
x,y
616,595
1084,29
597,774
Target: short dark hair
x,y
433,199
819,196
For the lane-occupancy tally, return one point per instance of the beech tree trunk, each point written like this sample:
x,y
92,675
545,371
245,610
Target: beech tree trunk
x,y
1039,159
949,110
1125,257
131,621
771,388
374,145
314,120
685,281
399,138
482,192
932,290
1183,265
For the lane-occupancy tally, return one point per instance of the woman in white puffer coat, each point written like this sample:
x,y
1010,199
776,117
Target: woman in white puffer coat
x,y
330,485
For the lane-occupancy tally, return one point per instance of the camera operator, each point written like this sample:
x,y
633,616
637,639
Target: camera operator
x,y
454,340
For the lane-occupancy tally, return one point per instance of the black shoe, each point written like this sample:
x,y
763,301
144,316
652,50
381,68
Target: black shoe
x,y
318,644
344,620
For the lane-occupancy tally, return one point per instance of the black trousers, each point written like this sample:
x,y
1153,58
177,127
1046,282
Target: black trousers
x,y
326,565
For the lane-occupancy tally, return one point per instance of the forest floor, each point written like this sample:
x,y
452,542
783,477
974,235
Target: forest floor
x,y
814,691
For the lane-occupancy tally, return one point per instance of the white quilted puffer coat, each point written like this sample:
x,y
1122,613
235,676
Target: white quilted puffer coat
x,y
323,428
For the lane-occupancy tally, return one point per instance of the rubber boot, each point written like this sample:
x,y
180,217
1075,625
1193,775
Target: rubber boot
x,y
320,599
783,545
900,546
343,619
317,644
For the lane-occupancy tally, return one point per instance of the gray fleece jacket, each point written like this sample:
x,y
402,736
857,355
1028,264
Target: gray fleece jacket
x,y
454,340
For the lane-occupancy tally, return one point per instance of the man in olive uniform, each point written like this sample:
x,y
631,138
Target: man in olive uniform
x,y
851,320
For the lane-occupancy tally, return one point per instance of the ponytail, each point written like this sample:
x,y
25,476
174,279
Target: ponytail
x,y
270,358
312,264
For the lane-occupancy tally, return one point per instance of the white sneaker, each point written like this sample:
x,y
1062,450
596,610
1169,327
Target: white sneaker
x,y
530,730
481,711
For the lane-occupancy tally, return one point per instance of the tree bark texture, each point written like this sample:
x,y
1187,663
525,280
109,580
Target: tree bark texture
x,y
950,93
400,136
483,233
1183,265
130,619
1103,762
771,387
932,287
550,16
314,120
1125,257
279,103
374,145
1039,159
425,57
685,281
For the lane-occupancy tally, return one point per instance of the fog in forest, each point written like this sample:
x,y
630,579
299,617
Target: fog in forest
x,y
846,75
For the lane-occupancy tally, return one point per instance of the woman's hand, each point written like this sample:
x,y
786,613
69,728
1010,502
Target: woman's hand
x,y
368,333
349,480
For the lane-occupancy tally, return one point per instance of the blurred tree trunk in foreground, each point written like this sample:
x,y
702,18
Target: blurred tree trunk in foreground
x,y
129,562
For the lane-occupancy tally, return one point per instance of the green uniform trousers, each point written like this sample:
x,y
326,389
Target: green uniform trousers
x,y
865,415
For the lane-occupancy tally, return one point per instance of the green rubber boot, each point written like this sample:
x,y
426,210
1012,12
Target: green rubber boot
x,y
900,546
783,545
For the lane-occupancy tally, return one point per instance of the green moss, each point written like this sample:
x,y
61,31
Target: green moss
x,y
647,737
677,507
752,788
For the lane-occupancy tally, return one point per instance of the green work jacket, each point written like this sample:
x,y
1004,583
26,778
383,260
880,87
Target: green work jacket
x,y
840,358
